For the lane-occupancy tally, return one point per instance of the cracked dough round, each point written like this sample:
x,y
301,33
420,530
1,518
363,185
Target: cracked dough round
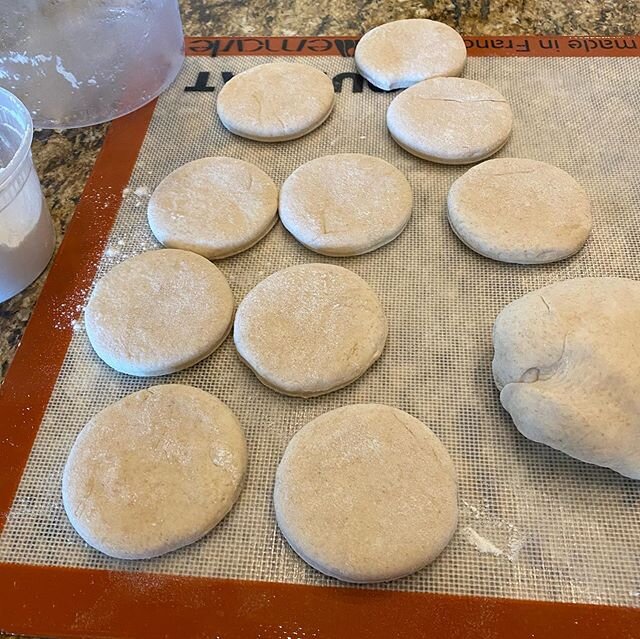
x,y
310,329
159,312
215,207
366,493
450,120
276,101
154,471
345,204
568,365
398,54
519,211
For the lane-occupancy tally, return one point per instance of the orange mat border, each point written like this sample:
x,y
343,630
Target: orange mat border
x,y
477,46
70,602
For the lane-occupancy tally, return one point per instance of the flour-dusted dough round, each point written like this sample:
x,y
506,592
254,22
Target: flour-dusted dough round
x,y
450,120
398,54
366,493
310,329
159,312
520,211
276,101
567,362
214,206
154,472
345,204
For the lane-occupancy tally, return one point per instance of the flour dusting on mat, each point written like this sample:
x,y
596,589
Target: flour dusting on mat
x,y
67,313
481,543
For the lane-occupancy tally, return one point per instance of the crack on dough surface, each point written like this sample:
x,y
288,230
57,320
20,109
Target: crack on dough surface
x,y
460,100
544,301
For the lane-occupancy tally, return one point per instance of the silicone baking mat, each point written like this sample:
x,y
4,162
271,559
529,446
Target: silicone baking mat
x,y
534,523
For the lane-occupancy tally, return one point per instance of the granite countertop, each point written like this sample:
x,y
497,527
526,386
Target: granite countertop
x,y
65,159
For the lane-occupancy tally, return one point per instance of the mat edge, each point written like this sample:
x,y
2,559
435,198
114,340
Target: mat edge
x,y
70,602
51,589
477,46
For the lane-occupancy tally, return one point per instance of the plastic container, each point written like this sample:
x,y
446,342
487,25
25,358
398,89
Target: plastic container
x,y
27,237
81,62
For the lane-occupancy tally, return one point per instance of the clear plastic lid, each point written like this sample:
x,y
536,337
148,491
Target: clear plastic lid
x,y
80,62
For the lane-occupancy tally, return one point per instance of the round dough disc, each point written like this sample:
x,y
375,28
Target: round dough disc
x,y
159,312
276,101
366,493
398,54
520,211
345,204
450,120
154,472
568,365
310,329
215,207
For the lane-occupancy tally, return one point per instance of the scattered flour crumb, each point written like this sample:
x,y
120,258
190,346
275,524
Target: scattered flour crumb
x,y
67,313
111,251
515,546
224,459
481,543
142,191
474,511
510,539
126,191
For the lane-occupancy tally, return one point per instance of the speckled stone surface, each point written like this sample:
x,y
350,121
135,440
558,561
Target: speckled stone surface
x,y
64,159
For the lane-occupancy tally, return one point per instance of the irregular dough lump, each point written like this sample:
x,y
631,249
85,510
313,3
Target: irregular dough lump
x,y
567,361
